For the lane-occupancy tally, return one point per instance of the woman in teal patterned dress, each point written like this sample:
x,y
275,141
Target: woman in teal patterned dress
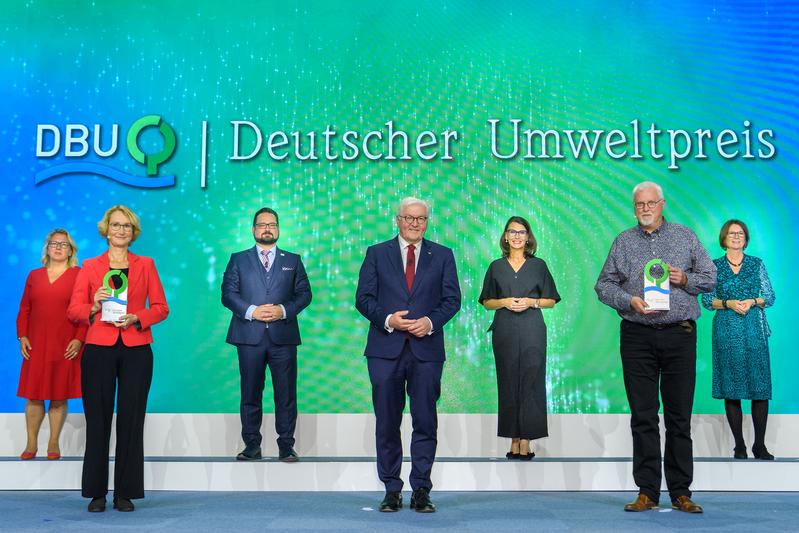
x,y
741,367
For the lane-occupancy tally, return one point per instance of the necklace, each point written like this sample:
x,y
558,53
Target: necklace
x,y
736,265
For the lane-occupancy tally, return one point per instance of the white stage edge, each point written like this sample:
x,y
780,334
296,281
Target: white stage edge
x,y
583,452
352,435
461,475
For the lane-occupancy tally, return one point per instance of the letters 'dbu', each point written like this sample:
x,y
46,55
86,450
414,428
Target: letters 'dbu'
x,y
656,289
76,146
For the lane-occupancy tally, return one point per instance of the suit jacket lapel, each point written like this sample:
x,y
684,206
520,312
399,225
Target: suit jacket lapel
x,y
134,272
103,262
395,256
424,256
277,264
257,266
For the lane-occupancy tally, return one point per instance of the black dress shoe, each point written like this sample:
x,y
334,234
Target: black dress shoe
x,y
420,501
288,455
512,456
250,453
739,453
526,456
97,505
391,503
760,452
123,505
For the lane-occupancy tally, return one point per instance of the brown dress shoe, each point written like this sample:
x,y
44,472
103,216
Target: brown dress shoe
x,y
684,504
641,503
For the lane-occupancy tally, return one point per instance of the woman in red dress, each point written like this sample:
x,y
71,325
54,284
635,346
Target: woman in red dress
x,y
50,344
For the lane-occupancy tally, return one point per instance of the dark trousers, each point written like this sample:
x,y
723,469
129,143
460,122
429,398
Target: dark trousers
x,y
663,359
390,378
282,362
125,373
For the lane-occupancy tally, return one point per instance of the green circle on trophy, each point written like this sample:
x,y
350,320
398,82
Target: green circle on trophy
x,y
648,271
107,282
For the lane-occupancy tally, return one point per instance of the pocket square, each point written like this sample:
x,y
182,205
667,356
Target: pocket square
x,y
288,268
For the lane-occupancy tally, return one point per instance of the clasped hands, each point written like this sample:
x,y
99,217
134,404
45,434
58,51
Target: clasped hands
x,y
740,306
268,313
517,305
418,327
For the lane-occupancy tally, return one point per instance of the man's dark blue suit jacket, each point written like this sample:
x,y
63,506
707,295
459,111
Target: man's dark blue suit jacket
x,y
245,284
382,290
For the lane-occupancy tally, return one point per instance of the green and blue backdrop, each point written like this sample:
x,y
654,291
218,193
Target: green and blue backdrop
x,y
192,86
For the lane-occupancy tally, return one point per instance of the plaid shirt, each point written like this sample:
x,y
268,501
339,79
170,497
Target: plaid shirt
x,y
622,276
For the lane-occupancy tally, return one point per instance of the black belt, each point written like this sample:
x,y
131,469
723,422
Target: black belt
x,y
686,324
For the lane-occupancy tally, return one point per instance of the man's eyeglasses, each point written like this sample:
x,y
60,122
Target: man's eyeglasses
x,y
411,219
58,244
651,204
262,225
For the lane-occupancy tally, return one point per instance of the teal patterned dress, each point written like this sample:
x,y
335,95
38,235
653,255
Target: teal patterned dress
x,y
741,368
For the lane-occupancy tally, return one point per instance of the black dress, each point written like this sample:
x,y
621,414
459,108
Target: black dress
x,y
520,346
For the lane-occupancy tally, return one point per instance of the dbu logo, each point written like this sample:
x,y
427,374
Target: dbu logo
x,y
77,140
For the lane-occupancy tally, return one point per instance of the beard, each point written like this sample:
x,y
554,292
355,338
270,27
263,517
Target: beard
x,y
266,239
647,221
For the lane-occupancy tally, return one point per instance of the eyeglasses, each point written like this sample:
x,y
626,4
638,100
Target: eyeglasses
x,y
262,225
116,226
411,219
736,234
651,204
59,244
517,232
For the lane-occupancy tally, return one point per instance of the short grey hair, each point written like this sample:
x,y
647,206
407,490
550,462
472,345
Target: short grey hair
x,y
409,201
646,185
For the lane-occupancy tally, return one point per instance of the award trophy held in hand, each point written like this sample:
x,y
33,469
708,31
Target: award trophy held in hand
x,y
656,289
117,304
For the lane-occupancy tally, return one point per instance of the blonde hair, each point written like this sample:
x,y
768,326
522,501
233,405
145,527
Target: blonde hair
x,y
72,260
102,225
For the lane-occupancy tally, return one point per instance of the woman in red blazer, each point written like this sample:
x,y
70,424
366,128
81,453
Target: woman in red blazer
x,y
117,357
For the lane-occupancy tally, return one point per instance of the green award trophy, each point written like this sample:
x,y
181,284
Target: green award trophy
x,y
117,304
656,290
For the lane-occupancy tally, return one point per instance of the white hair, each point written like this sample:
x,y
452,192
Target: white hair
x,y
646,185
409,201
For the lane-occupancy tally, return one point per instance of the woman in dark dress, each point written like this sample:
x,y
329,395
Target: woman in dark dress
x,y
517,287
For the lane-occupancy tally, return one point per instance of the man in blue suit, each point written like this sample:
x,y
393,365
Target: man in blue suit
x,y
408,290
266,288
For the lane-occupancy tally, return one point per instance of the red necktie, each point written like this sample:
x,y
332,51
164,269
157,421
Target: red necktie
x,y
410,266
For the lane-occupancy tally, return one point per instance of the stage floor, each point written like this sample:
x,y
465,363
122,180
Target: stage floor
x,y
356,511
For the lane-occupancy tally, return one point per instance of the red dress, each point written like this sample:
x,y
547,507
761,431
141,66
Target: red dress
x,y
43,319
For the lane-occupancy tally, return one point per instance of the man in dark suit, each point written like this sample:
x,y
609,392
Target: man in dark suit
x,y
266,288
407,289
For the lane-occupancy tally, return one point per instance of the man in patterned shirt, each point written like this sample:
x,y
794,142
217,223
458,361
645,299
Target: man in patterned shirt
x,y
658,347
